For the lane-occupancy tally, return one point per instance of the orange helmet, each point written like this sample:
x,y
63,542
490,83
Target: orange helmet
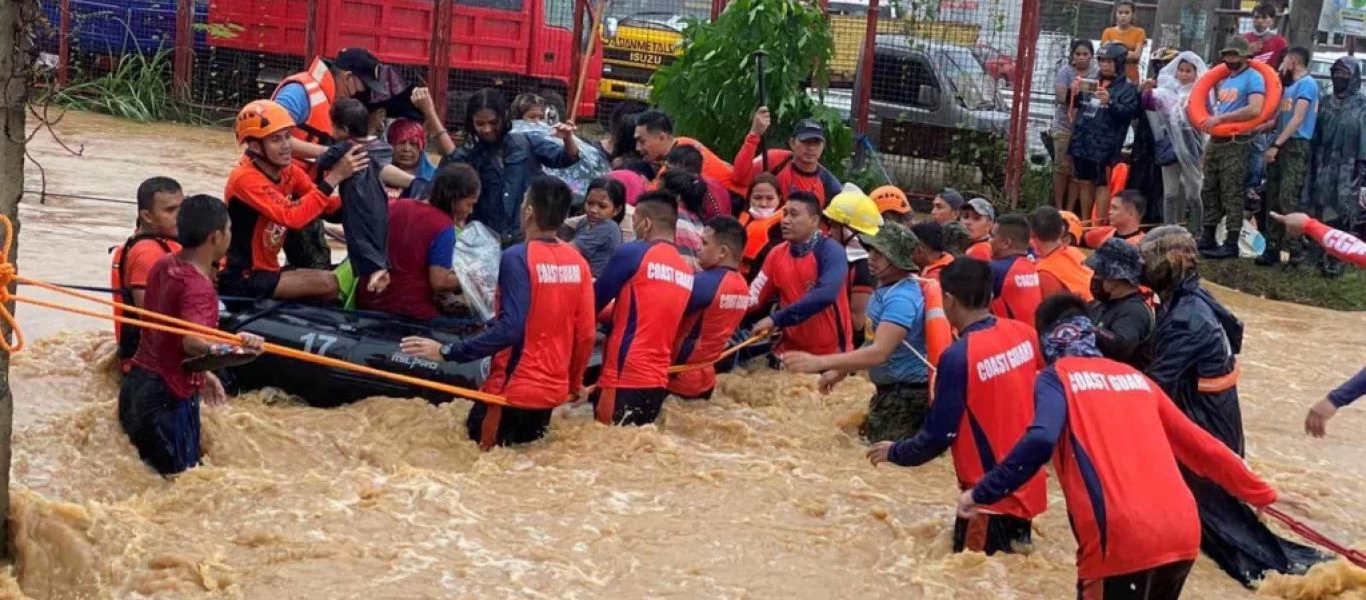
x,y
1073,225
890,198
260,119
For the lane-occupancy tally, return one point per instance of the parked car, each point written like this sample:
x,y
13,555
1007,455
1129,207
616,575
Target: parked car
x,y
999,65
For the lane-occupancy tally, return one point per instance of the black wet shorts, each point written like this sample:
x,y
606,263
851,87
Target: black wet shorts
x,y
1158,583
163,428
493,425
248,284
1094,172
990,534
628,406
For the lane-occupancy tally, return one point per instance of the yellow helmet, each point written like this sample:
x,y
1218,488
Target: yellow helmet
x,y
855,210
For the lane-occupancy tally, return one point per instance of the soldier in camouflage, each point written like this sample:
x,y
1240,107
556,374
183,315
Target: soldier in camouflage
x,y
1239,97
1288,155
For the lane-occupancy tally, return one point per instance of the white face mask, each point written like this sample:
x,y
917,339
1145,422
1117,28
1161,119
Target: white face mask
x,y
762,213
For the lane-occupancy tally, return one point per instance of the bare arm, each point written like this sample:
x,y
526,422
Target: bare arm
x,y
442,280
1296,119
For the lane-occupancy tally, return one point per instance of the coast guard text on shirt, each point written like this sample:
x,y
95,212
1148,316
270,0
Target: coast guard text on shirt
x,y
550,273
1081,381
661,272
1000,364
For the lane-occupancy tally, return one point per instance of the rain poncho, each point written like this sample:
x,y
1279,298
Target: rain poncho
x,y
1177,142
592,164
1338,150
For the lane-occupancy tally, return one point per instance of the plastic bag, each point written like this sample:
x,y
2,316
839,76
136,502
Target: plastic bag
x,y
592,164
475,262
1251,243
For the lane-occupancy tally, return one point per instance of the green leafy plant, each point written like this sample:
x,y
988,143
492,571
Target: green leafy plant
x,y
711,91
137,88
220,31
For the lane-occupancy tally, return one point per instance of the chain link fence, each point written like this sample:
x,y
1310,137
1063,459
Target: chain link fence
x,y
942,92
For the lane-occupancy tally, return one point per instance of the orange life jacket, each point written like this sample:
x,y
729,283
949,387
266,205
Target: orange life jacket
x,y
932,270
938,331
322,89
713,166
1065,263
757,238
126,336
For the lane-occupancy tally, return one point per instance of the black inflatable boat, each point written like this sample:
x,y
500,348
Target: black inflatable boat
x,y
360,337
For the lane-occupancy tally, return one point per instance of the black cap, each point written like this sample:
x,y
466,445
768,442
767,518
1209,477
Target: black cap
x,y
362,64
809,129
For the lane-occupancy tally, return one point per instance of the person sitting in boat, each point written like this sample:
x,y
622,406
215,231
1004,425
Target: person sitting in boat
x,y
159,201
268,195
422,246
650,282
159,399
719,301
542,337
409,139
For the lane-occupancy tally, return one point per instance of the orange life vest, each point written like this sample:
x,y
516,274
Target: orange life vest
x,y
322,89
938,331
757,238
126,336
932,270
1096,236
980,250
1065,263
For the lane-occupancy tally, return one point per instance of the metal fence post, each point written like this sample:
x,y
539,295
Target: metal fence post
x,y
311,32
184,48
64,45
865,77
439,61
1018,138
716,7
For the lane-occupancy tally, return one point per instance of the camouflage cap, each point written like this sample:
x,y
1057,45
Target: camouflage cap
x,y
1236,44
894,241
1117,260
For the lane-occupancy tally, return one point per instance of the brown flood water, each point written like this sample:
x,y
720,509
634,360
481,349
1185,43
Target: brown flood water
x,y
761,493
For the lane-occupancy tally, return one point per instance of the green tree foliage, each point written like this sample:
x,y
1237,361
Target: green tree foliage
x,y
711,91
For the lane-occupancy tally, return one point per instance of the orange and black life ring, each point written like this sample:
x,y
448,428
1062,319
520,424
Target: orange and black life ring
x,y
1199,106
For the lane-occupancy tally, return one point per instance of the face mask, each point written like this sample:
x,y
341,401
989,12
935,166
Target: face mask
x,y
1098,290
762,213
1340,85
1287,78
1236,66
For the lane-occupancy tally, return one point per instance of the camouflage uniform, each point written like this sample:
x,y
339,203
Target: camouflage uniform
x,y
898,408
307,248
1225,183
1285,184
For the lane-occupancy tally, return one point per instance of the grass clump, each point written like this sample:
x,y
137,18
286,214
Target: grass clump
x,y
1301,285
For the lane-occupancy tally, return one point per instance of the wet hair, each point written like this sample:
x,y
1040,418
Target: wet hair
x,y
453,183
1128,3
768,178
640,167
685,157
616,193
688,187
550,199
1014,227
655,122
351,116
1301,53
807,199
1055,308
148,190
660,207
491,100
623,122
1265,9
1170,256
1133,199
200,216
930,233
523,103
968,280
729,233
1047,224
1081,44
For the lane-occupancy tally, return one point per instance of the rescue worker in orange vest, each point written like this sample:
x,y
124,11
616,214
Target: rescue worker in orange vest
x,y
1015,281
655,138
978,216
308,97
897,359
762,222
1195,363
268,195
1074,230
1059,264
159,201
798,169
893,205
1120,449
1126,214
931,255
1124,322
982,405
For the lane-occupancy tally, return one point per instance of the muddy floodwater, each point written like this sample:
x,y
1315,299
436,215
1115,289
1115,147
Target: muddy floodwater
x,y
761,493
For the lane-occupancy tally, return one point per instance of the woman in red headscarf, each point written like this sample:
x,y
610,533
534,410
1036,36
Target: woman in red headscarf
x,y
409,139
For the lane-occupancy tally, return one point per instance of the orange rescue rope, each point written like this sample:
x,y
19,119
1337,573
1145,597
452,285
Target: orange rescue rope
x,y
159,322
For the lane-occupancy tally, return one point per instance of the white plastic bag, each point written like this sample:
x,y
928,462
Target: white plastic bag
x,y
1251,243
475,262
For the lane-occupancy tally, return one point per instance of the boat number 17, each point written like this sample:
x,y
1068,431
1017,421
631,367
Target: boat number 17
x,y
317,343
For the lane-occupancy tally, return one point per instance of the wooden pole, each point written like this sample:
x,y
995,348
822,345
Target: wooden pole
x,y
16,20
439,61
586,59
184,48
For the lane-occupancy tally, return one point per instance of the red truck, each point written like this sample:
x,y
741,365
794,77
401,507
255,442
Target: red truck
x,y
517,45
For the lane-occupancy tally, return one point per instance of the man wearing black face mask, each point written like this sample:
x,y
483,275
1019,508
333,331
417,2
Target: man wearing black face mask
x,y
1239,98
1124,322
1337,156
1288,156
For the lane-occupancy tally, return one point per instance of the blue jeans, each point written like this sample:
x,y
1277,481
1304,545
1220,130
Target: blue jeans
x,y
1256,160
